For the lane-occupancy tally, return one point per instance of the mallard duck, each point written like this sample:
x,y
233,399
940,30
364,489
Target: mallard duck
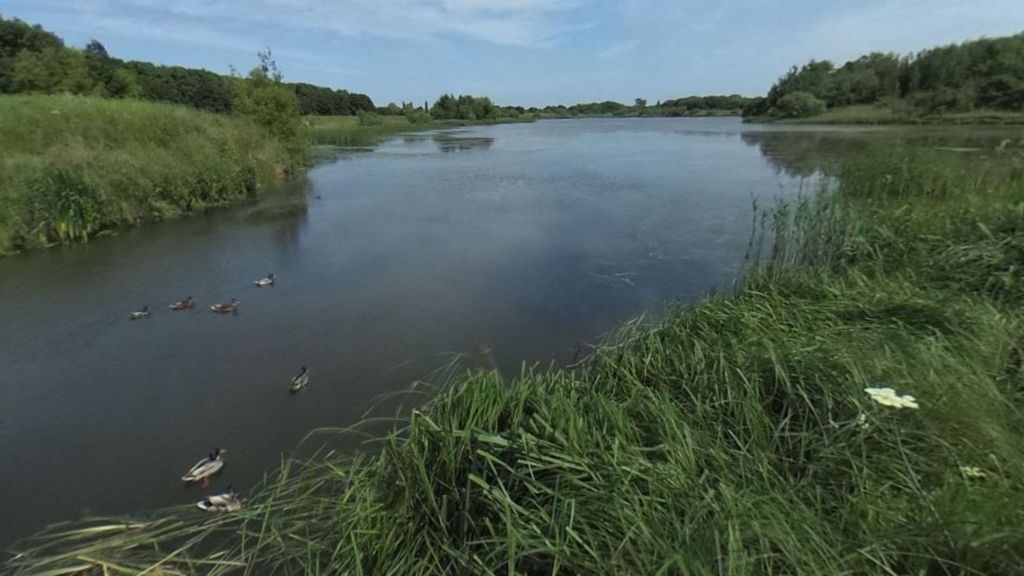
x,y
141,313
301,380
206,467
228,501
267,280
183,304
226,308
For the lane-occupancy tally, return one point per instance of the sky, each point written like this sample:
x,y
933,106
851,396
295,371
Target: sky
x,y
520,52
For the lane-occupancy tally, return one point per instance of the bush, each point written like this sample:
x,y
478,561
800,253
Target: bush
x,y
798,105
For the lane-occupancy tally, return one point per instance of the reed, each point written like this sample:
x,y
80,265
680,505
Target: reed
x,y
72,167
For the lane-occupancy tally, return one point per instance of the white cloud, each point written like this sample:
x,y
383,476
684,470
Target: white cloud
x,y
523,23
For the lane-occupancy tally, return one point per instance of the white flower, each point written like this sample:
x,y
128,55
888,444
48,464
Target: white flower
x,y
972,472
889,397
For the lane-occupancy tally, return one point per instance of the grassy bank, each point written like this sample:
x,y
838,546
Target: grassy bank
x,y
73,167
733,436
349,131
881,114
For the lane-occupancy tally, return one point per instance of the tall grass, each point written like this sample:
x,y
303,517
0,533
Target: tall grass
x,y
72,167
729,437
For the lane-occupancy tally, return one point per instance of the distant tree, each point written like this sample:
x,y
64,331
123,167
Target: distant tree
x,y
51,70
264,99
640,105
124,84
96,50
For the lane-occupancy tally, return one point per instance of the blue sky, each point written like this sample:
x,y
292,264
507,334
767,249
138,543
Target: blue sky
x,y
529,52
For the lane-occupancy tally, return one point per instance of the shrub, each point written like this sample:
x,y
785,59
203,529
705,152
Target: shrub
x,y
798,105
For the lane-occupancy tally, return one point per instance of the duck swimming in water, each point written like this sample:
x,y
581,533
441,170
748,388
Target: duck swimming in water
x,y
226,308
300,381
183,304
227,501
206,467
267,280
141,313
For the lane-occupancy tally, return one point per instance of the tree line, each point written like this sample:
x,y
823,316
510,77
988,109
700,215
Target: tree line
x,y
35,60
732,104
986,73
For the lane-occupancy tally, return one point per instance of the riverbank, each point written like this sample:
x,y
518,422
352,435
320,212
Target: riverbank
x,y
873,114
75,167
732,436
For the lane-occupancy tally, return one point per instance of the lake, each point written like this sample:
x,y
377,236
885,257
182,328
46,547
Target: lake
x,y
505,244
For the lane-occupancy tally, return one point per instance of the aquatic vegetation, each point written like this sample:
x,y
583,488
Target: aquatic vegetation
x,y
727,437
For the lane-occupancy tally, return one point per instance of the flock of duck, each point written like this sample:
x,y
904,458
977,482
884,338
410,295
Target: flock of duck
x,y
230,500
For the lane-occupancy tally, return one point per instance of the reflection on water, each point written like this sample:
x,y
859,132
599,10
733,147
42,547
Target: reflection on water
x,y
529,242
450,140
805,151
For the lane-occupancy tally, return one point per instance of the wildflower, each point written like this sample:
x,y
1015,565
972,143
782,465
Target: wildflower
x,y
972,472
889,397
862,421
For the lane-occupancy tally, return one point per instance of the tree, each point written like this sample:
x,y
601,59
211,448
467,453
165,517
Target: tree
x,y
640,105
96,50
264,99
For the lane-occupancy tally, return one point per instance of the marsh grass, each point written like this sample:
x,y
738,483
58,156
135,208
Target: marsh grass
x,y
74,166
732,436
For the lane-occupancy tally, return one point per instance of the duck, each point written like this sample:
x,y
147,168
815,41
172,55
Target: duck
x,y
206,467
301,380
183,304
227,501
225,308
141,313
267,280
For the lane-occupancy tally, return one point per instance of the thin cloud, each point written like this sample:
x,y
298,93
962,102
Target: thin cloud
x,y
616,50
520,23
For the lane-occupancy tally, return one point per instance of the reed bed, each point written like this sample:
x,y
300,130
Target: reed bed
x,y
73,167
733,436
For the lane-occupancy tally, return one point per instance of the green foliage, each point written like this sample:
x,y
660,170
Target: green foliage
x,y
317,100
798,105
269,103
986,73
17,36
48,66
74,166
464,107
51,70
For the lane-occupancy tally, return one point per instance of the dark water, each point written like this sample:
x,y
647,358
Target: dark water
x,y
508,244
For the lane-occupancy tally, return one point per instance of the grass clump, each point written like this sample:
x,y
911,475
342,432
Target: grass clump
x,y
72,167
733,436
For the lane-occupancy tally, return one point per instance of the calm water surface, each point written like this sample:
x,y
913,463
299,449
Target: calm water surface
x,y
508,244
